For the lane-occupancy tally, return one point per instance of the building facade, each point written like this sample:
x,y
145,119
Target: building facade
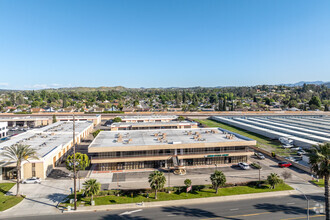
x,y
3,129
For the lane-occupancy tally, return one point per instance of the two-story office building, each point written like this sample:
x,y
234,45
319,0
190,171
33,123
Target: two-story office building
x,y
139,149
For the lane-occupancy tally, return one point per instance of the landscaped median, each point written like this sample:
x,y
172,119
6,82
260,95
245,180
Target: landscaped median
x,y
7,202
112,197
319,183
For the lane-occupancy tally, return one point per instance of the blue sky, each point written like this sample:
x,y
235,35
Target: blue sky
x,y
173,43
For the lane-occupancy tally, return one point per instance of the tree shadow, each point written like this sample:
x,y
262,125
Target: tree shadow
x,y
293,210
56,197
316,198
193,212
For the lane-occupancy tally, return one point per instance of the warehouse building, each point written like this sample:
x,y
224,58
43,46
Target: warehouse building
x,y
298,129
148,118
152,125
44,120
52,144
3,129
139,149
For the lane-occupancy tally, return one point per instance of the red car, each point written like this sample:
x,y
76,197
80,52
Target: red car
x,y
284,164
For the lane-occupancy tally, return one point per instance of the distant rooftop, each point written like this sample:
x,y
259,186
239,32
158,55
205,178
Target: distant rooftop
x,y
156,137
145,117
145,124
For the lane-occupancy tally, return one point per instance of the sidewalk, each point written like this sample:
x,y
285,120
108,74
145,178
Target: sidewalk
x,y
185,201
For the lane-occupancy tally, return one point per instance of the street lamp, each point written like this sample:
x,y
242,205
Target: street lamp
x,y
307,202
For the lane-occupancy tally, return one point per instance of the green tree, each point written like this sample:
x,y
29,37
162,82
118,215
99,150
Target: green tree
x,y
218,179
315,101
273,179
19,153
82,162
117,119
54,119
91,188
319,159
181,118
95,133
157,181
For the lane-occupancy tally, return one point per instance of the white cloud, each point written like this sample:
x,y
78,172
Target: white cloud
x,y
4,84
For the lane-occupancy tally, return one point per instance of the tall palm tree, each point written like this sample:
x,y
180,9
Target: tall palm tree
x,y
218,179
91,187
157,181
19,153
273,179
319,159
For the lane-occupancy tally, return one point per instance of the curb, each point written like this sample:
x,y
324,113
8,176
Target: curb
x,y
183,201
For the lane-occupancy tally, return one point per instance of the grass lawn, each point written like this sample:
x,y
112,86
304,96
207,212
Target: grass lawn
x,y
320,183
7,202
262,142
163,196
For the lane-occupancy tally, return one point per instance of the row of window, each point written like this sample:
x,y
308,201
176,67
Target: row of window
x,y
169,163
166,152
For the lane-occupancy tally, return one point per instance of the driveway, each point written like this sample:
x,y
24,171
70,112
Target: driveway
x,y
41,199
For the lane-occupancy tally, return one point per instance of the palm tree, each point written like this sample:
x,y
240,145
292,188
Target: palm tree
x,y
319,159
273,179
19,153
157,181
91,187
218,179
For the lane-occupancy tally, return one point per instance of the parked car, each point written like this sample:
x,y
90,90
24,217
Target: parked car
x,y
260,156
244,166
301,152
287,146
296,148
284,164
32,180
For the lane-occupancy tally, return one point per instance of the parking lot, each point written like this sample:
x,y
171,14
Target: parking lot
x,y
199,176
41,199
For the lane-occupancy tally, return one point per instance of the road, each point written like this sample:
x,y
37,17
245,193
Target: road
x,y
283,208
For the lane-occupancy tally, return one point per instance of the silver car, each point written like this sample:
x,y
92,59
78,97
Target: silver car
x,y
34,180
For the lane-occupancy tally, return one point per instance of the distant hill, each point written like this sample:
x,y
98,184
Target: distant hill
x,y
301,83
89,89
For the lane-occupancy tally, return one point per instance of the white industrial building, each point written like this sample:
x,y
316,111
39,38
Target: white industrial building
x,y
305,131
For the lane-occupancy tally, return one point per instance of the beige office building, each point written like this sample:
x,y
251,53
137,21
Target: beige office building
x,y
139,149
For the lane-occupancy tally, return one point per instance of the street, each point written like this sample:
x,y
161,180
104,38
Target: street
x,y
283,208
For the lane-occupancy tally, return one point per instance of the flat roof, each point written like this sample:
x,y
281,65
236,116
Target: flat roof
x,y
47,138
129,117
129,124
173,136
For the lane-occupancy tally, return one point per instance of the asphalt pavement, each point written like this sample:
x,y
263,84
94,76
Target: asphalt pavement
x,y
282,208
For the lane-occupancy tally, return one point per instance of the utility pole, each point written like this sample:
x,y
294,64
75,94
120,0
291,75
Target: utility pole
x,y
74,164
